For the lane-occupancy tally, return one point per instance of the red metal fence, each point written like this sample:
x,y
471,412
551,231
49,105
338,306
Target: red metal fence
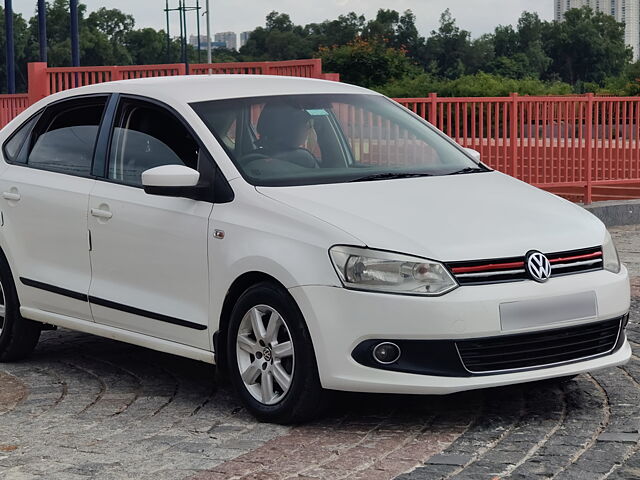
x,y
44,80
582,147
12,105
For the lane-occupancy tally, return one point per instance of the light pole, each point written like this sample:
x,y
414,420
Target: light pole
x,y
208,34
42,30
182,10
11,65
75,43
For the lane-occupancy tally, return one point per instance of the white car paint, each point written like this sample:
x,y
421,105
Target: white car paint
x,y
286,232
457,218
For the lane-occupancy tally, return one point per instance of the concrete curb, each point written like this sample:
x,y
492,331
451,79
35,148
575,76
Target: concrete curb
x,y
616,212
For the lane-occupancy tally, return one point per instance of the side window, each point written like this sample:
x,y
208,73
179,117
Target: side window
x,y
147,136
65,137
13,147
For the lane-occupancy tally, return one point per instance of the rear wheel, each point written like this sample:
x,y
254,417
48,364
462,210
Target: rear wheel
x,y
271,358
18,336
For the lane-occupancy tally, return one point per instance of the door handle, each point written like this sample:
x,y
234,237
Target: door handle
x,y
11,196
99,213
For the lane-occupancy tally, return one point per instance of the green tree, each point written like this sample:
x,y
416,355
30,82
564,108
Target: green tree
x,y
520,53
344,29
21,34
280,39
340,31
149,46
447,48
587,47
367,63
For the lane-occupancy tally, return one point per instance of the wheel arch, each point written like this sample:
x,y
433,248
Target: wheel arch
x,y
236,289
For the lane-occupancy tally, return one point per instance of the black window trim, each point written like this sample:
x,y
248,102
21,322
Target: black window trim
x,y
15,132
41,114
103,142
218,181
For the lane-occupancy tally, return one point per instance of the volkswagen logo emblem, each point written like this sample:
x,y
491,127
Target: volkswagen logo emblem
x,y
538,266
266,353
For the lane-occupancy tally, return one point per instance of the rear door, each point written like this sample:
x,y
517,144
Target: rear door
x,y
44,194
149,252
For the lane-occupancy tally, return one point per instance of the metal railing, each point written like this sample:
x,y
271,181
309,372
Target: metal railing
x,y
582,147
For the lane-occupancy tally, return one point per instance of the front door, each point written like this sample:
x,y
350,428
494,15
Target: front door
x,y
149,253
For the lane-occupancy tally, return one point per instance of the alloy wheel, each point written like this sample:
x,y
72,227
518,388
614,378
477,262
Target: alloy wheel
x,y
265,354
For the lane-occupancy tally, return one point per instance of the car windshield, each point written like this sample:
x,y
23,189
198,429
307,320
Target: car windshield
x,y
329,138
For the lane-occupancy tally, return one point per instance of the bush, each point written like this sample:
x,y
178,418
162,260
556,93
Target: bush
x,y
478,85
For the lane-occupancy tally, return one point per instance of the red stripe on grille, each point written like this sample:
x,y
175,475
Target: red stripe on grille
x,y
575,258
486,268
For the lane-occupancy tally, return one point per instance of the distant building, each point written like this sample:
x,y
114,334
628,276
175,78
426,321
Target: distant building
x,y
228,38
624,11
244,36
193,40
605,6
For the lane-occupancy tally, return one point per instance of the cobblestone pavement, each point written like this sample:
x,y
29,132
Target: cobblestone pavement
x,y
85,407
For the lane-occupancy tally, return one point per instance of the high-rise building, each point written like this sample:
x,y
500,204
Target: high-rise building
x,y
604,6
193,40
228,38
244,36
628,12
624,11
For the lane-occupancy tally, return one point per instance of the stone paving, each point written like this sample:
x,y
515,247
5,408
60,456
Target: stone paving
x,y
84,407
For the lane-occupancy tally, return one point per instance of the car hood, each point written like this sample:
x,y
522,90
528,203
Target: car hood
x,y
448,218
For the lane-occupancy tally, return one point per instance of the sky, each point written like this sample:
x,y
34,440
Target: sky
x,y
477,16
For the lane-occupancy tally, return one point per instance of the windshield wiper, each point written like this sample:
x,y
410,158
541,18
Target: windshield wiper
x,y
389,175
467,170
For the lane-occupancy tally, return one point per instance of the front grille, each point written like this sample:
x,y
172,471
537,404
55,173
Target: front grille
x,y
482,272
530,350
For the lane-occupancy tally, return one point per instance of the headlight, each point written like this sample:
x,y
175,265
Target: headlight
x,y
375,270
610,258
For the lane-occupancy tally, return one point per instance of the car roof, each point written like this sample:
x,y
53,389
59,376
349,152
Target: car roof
x,y
197,88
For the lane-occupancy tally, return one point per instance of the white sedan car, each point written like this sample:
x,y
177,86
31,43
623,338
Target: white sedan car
x,y
304,235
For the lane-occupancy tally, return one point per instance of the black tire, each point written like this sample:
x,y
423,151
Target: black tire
x,y
18,336
305,398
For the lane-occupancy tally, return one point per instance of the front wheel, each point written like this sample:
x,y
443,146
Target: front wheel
x,y
271,358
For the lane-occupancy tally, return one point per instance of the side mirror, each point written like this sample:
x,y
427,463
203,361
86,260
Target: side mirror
x,y
170,176
473,153
173,181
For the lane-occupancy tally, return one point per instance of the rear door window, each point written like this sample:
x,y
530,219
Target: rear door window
x,y
64,140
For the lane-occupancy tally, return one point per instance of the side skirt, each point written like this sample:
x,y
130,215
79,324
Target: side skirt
x,y
118,334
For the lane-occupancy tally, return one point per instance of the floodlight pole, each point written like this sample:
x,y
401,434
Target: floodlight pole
x,y
208,33
183,19
166,10
182,14
42,29
198,29
75,44
11,65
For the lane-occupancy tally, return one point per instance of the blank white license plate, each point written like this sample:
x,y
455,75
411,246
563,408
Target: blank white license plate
x,y
534,313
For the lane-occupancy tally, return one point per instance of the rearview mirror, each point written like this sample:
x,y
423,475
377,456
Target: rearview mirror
x,y
473,153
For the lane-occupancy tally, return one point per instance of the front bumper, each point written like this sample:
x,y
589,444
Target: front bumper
x,y
339,320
